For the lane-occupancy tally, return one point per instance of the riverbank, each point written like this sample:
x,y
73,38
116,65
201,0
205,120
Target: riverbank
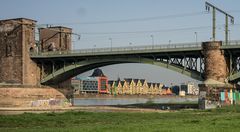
x,y
221,120
16,111
94,95
32,96
109,100
145,107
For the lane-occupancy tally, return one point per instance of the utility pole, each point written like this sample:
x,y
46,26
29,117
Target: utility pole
x,y
214,8
214,24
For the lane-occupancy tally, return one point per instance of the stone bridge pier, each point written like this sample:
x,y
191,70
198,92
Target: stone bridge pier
x,y
20,75
215,75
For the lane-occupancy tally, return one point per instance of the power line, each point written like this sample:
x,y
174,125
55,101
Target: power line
x,y
151,31
133,19
130,20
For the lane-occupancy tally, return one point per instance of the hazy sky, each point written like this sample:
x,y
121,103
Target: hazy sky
x,y
129,21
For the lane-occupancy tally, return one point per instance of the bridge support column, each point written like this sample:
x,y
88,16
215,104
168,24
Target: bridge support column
x,y
216,73
17,40
19,74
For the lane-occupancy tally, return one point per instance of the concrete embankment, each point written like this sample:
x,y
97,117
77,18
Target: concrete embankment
x,y
28,96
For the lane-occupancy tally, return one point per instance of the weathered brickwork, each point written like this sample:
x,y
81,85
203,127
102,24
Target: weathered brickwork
x,y
18,71
215,63
216,73
55,38
17,38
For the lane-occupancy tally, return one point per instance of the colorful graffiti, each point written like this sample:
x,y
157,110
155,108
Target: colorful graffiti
x,y
230,97
50,102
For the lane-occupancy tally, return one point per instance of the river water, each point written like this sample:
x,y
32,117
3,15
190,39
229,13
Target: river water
x,y
127,101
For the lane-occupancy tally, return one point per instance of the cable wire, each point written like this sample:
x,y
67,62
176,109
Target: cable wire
x,y
134,19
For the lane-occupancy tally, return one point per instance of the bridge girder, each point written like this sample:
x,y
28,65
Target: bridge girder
x,y
185,56
234,69
78,67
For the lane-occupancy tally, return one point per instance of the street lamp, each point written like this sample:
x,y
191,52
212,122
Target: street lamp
x,y
229,35
169,42
196,36
110,42
130,44
152,41
94,46
74,42
73,45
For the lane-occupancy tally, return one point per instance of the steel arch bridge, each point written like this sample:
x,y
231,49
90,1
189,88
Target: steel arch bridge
x,y
185,58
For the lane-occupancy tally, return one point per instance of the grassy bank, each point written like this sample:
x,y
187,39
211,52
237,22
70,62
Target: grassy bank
x,y
224,119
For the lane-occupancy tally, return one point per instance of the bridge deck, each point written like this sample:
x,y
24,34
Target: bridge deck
x,y
176,48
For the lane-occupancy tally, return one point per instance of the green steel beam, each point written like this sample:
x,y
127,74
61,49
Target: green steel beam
x,y
68,54
235,77
91,64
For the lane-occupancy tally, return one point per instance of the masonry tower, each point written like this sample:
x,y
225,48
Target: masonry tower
x,y
17,40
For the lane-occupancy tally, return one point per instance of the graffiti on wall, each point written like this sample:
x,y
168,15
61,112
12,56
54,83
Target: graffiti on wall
x,y
50,102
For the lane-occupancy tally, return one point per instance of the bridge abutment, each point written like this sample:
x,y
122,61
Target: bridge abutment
x,y
17,39
216,75
216,67
20,76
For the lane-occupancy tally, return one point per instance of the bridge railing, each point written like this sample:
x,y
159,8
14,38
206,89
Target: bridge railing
x,y
123,49
130,49
232,42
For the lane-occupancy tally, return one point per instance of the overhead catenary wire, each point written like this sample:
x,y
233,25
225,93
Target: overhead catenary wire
x,y
150,31
136,19
146,32
133,19
128,20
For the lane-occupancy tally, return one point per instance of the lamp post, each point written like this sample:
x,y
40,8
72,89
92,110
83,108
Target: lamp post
x,y
130,44
196,36
73,45
169,42
94,46
110,42
152,41
229,35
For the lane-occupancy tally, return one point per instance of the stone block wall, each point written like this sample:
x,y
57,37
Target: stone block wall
x,y
55,38
216,67
216,73
17,38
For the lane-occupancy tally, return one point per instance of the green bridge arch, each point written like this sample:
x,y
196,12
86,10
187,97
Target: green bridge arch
x,y
72,70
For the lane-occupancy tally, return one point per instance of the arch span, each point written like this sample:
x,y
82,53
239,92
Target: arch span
x,y
72,70
235,77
